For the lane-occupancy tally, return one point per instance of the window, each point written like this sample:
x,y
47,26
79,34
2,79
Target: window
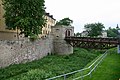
x,y
67,33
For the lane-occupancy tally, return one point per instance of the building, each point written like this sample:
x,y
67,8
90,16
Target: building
x,y
50,21
85,34
104,34
6,34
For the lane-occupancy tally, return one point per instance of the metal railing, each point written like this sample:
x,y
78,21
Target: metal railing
x,y
92,67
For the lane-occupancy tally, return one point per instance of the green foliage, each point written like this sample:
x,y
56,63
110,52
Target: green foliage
x,y
109,69
113,32
34,74
26,15
78,34
49,66
65,21
94,29
33,37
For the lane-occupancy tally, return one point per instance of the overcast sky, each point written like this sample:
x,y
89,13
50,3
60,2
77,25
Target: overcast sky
x,y
86,11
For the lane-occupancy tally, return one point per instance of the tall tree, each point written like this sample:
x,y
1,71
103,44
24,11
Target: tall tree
x,y
65,21
26,15
94,29
113,32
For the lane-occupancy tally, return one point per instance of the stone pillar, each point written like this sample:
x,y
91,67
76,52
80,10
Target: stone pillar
x,y
61,47
118,49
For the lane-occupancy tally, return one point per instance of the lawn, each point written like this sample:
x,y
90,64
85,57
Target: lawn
x,y
49,66
109,69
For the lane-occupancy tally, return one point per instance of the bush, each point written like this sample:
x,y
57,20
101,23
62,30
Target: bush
x,y
33,37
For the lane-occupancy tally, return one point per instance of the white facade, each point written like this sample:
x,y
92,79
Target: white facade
x,y
104,34
84,34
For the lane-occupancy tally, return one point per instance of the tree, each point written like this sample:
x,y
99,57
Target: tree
x,y
78,34
65,21
25,15
110,33
113,32
94,29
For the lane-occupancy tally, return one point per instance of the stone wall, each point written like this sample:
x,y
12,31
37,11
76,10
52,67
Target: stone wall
x,y
61,47
14,52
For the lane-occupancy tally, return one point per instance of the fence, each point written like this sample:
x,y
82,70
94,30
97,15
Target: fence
x,y
84,72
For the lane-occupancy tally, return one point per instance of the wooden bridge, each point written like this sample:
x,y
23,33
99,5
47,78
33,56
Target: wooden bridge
x,y
93,43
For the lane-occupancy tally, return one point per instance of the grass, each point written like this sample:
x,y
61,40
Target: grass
x,y
109,69
84,72
49,66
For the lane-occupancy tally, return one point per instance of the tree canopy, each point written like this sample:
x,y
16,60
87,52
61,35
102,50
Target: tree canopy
x,y
94,29
26,15
65,21
113,32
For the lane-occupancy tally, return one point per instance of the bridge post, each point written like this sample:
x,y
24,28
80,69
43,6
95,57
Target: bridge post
x,y
59,33
118,49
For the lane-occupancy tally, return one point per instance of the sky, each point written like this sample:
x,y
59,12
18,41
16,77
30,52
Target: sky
x,y
84,12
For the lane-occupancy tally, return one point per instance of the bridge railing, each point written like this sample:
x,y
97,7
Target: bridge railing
x,y
92,39
89,70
